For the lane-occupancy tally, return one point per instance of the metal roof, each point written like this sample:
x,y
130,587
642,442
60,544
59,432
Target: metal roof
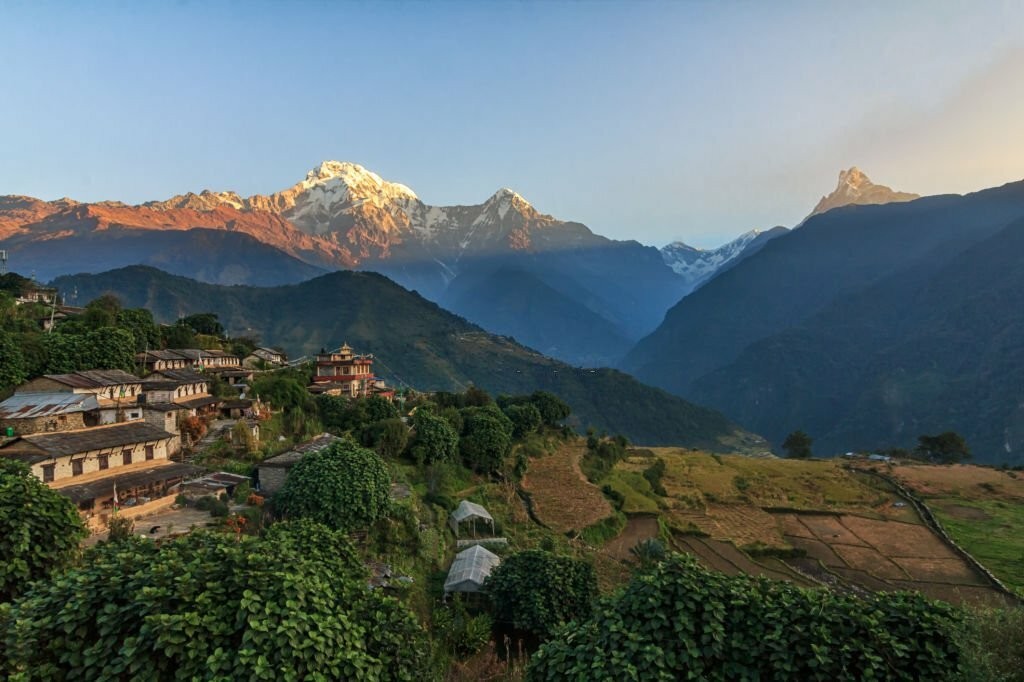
x,y
33,405
194,403
469,510
470,569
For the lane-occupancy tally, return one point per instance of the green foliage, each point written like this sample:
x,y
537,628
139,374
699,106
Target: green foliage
x,y
649,551
992,641
535,591
798,445
101,312
387,437
677,620
39,529
291,605
242,492
945,448
346,414
526,419
598,461
13,368
552,408
486,438
120,527
436,440
462,633
653,475
178,336
139,322
204,323
283,390
102,348
343,486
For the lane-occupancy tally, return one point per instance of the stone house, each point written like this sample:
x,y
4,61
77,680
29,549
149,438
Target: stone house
x,y
28,413
273,471
116,391
270,356
93,466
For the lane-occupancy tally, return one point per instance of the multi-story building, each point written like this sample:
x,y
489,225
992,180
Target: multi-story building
x,y
344,373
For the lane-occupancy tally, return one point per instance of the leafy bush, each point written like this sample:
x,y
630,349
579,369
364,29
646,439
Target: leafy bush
x,y
534,591
993,645
599,461
388,437
120,527
436,440
677,620
343,486
486,438
653,475
291,605
526,419
39,529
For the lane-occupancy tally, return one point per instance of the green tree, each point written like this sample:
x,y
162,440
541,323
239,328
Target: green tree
x,y
39,529
946,448
139,322
552,408
343,486
526,419
178,336
436,440
291,605
388,437
101,312
535,591
486,438
284,391
13,369
798,445
677,620
204,323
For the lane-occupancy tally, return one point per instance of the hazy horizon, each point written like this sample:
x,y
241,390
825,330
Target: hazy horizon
x,y
653,122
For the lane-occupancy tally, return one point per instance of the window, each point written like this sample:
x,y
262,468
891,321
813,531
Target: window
x,y
77,467
149,452
48,472
104,461
126,457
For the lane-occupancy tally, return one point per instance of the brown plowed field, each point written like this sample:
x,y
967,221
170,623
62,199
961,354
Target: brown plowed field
x,y
563,499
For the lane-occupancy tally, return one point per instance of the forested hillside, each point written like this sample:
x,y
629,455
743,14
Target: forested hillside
x,y
418,344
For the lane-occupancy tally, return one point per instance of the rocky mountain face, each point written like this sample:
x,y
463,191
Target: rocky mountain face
x,y
343,216
855,188
697,266
865,327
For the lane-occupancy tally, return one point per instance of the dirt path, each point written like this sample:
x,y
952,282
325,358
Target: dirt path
x,y
638,529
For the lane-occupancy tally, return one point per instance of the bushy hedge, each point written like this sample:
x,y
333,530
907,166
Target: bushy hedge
x,y
677,620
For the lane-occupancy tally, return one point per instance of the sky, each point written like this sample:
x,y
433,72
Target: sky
x,y
653,121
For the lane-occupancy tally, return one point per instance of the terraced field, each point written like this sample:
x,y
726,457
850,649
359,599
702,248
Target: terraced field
x,y
855,531
562,498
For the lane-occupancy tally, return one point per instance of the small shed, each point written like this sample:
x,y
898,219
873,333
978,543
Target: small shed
x,y
469,511
470,569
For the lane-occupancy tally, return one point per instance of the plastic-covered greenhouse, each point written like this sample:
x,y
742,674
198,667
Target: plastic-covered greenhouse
x,y
469,511
469,570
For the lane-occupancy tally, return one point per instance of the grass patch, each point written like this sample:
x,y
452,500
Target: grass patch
x,y
604,530
637,496
997,541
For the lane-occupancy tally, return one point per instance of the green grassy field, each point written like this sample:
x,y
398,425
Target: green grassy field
x,y
993,533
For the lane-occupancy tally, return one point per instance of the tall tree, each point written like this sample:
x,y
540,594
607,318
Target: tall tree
x,y
947,448
798,445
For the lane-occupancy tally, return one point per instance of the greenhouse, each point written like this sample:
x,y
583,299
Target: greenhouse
x,y
470,569
469,511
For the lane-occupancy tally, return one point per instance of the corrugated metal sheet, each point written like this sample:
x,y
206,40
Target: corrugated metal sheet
x,y
33,405
64,443
95,378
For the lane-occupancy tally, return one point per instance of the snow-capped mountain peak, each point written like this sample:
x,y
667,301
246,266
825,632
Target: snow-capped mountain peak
x,y
854,187
360,182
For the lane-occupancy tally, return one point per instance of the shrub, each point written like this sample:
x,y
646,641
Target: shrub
x,y
677,620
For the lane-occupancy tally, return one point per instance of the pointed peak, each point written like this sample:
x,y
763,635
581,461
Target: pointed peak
x,y
506,193
353,176
854,187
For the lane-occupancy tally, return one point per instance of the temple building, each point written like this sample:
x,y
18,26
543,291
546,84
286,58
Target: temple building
x,y
344,373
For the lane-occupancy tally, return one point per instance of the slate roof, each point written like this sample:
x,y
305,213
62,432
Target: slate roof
x,y
95,378
198,402
287,459
179,376
105,486
39,446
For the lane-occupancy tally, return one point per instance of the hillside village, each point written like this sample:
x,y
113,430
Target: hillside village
x,y
474,493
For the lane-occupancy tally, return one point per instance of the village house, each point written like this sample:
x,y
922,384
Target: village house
x,y
184,358
268,356
156,360
90,466
343,373
116,391
185,388
27,413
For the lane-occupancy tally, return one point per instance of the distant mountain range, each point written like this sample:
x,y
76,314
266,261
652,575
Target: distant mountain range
x,y
344,216
419,344
866,327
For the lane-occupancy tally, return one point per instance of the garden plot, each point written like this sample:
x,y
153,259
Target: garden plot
x,y
563,499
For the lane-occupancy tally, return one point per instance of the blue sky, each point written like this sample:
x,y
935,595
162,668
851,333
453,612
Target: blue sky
x,y
648,120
